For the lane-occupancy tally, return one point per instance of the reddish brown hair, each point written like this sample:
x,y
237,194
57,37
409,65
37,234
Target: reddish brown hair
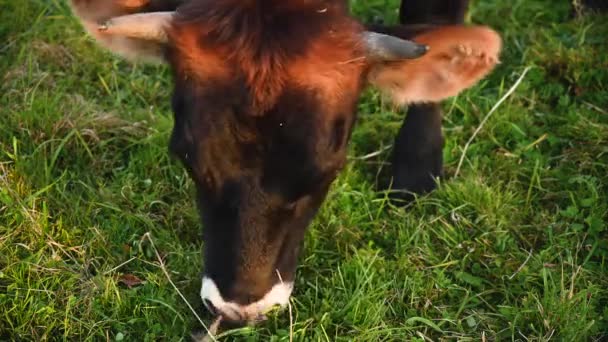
x,y
268,44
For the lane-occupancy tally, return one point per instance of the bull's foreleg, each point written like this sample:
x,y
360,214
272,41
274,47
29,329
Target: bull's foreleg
x,y
417,156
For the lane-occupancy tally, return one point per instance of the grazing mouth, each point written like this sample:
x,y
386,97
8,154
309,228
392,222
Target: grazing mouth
x,y
220,324
277,297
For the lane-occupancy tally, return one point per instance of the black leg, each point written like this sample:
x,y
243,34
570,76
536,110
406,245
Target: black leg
x,y
417,154
433,11
596,5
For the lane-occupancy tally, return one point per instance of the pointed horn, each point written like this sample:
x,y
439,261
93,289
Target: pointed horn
x,y
149,26
388,48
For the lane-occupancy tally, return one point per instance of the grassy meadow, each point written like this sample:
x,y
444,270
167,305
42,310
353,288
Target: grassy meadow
x,y
513,247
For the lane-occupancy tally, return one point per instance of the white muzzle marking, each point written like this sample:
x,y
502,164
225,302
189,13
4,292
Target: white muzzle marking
x,y
278,295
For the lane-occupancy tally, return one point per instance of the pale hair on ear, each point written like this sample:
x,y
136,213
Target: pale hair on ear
x,y
458,58
137,37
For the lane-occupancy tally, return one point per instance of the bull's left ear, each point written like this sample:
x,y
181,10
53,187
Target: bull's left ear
x,y
125,27
458,57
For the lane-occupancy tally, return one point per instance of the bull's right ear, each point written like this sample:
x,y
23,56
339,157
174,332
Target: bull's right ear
x,y
124,28
457,59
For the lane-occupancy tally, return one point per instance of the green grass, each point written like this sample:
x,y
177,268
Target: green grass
x,y
514,248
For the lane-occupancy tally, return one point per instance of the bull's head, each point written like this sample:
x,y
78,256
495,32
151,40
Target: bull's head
x,y
264,103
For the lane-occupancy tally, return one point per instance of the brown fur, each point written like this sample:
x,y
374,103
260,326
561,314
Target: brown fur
x,y
332,67
193,60
275,48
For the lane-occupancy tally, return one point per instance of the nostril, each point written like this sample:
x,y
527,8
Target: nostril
x,y
210,307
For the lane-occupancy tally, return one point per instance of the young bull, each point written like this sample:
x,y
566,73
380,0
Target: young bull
x,y
264,101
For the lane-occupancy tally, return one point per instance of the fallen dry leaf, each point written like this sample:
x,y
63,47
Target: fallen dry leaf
x,y
130,280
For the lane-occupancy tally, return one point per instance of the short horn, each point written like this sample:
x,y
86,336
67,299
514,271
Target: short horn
x,y
388,48
148,26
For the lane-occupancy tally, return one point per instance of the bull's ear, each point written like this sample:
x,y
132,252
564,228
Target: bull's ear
x,y
125,27
458,57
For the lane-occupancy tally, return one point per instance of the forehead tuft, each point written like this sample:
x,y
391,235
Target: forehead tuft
x,y
265,44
